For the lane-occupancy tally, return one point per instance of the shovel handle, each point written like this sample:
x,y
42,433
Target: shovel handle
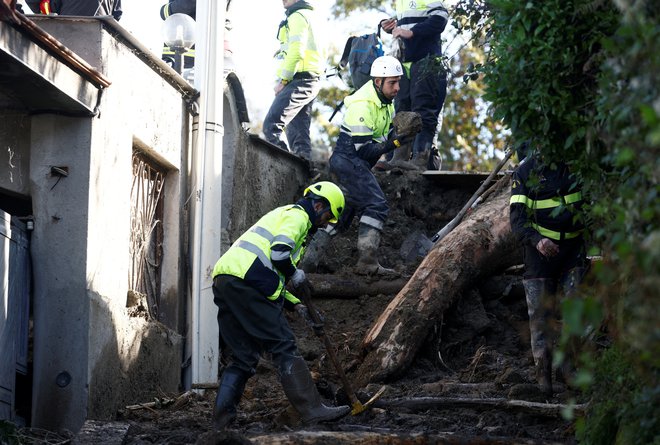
x,y
329,347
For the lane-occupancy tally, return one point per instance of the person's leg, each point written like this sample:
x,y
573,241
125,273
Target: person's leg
x,y
540,293
245,351
428,89
576,265
297,132
274,122
285,107
301,391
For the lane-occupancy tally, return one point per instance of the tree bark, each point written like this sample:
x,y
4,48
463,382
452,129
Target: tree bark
x,y
479,246
331,286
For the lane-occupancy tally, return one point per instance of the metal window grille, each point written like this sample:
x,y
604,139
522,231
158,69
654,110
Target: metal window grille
x,y
146,244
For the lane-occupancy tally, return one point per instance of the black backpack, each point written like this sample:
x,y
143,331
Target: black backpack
x,y
359,53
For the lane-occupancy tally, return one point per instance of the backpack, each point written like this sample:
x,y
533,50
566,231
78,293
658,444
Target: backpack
x,y
359,53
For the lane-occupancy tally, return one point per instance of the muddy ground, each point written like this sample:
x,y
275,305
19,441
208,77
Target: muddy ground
x,y
479,351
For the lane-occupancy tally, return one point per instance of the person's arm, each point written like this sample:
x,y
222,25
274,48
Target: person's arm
x,y
519,213
297,45
359,123
434,24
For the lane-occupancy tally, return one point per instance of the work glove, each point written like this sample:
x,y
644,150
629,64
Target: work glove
x,y
395,141
297,278
300,285
303,311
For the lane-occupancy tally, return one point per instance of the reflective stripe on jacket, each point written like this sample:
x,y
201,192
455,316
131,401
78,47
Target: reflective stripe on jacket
x,y
366,120
249,258
545,202
301,46
427,19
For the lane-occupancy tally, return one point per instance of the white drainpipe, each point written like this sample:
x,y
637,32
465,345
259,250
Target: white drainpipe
x,y
206,158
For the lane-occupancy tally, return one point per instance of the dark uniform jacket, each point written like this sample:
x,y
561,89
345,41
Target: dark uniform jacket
x,y
545,202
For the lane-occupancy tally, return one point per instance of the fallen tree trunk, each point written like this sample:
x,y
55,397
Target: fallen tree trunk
x,y
331,286
479,246
534,408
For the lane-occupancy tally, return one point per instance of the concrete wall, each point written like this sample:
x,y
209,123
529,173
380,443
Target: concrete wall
x,y
92,356
257,176
14,152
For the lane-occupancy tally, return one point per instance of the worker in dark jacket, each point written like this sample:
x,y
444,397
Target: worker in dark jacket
x,y
364,137
77,7
417,30
545,212
249,290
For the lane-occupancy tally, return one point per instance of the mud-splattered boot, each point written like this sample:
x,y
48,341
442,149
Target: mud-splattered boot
x,y
367,243
539,294
302,393
230,390
544,373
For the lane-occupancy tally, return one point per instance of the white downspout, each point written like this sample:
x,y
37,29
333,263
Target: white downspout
x,y
208,131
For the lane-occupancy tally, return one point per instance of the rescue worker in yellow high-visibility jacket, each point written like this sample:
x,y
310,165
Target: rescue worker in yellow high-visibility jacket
x,y
365,136
546,216
302,62
248,288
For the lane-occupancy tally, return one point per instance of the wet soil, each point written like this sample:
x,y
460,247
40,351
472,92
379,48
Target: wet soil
x,y
479,350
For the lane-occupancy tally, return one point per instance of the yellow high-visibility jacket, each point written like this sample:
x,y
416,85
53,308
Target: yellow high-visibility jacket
x,y
249,258
301,47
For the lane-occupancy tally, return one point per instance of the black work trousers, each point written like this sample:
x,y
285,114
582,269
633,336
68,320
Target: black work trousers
x,y
250,324
424,92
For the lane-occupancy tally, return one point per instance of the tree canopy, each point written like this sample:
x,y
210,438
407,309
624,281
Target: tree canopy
x,y
579,79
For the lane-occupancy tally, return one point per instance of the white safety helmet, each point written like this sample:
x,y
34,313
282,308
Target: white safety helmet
x,y
386,66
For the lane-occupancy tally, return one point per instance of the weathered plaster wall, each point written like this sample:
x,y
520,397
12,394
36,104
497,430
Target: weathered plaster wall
x,y
91,356
114,358
59,256
14,152
257,176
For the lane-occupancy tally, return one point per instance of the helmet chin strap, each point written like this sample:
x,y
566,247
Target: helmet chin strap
x,y
379,92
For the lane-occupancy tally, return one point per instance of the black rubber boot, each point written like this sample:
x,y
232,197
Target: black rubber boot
x,y
302,393
230,390
544,373
539,294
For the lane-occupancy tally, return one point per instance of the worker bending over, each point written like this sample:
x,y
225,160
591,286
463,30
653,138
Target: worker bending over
x,y
248,288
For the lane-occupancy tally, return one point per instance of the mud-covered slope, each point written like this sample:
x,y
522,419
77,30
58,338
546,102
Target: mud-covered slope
x,y
478,351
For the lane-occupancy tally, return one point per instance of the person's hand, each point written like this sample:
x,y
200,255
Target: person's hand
x,y
402,32
303,312
395,140
298,277
388,25
300,285
404,138
279,87
547,248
